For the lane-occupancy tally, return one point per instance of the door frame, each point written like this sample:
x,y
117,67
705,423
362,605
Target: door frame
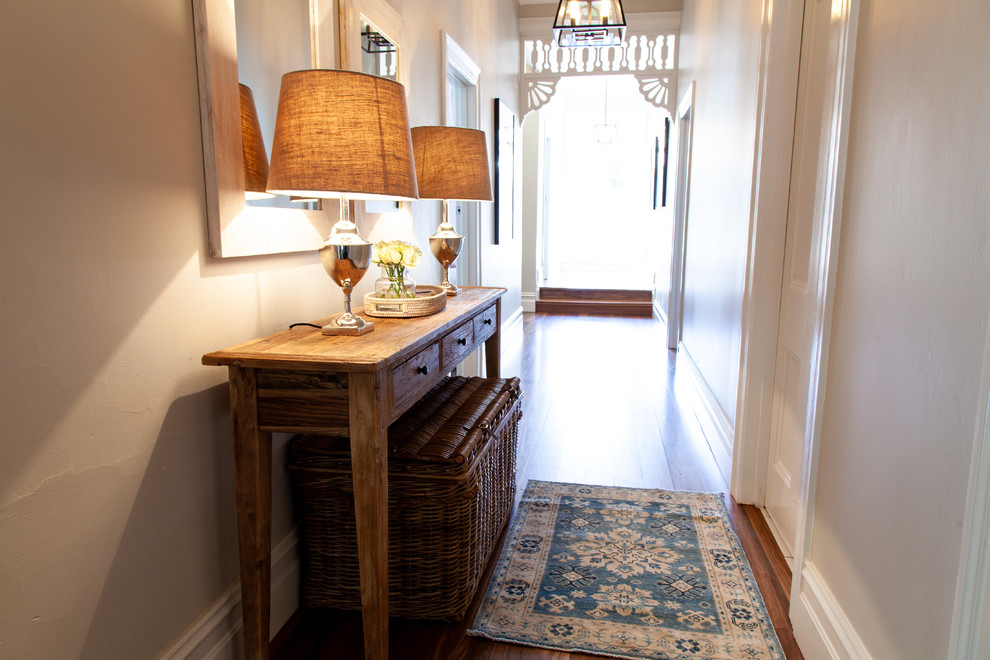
x,y
682,198
782,28
970,637
458,63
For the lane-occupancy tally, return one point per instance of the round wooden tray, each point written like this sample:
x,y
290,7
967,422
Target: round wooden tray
x,y
428,300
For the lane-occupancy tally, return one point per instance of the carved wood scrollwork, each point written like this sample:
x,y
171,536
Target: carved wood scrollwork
x,y
657,90
538,92
652,59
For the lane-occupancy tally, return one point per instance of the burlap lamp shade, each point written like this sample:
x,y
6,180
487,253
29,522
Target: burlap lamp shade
x,y
342,133
451,163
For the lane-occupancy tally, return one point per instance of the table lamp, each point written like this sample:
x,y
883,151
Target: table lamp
x,y
451,164
344,135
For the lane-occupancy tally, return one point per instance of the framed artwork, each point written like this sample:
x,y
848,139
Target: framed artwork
x,y
503,177
660,167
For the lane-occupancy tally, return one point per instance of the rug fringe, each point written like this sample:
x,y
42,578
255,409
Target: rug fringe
x,y
476,633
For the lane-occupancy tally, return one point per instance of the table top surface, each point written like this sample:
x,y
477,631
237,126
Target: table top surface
x,y
392,340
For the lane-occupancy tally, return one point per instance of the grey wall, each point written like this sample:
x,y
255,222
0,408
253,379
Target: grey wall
x,y
117,527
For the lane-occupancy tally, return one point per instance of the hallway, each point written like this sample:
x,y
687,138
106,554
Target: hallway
x,y
603,404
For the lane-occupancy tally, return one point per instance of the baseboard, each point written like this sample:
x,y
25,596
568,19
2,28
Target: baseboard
x,y
658,312
821,628
214,631
713,420
217,634
509,324
778,538
529,302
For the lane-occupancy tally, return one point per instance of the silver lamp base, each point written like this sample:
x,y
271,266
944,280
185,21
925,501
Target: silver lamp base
x,y
348,324
346,256
447,285
446,245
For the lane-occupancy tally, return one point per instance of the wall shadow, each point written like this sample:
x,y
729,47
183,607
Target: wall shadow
x,y
178,549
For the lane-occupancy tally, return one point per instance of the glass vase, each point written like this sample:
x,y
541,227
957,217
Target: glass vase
x,y
395,282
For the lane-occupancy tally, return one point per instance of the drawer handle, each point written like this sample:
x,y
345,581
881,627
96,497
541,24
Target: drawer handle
x,y
462,341
487,321
423,370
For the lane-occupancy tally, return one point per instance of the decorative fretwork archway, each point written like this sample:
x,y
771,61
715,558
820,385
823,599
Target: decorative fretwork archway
x,y
649,53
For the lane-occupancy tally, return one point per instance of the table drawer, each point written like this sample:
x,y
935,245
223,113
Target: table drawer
x,y
414,377
484,324
456,345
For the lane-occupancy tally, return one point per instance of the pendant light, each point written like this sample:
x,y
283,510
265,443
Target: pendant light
x,y
605,133
589,23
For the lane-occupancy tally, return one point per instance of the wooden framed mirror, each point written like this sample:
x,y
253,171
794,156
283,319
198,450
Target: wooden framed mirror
x,y
235,228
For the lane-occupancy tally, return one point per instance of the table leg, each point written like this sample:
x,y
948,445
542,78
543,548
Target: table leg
x,y
253,491
493,346
369,466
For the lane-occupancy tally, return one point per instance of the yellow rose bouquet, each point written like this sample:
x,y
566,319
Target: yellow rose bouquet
x,y
394,257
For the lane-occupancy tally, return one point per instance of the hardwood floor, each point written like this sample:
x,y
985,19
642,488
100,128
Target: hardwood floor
x,y
604,404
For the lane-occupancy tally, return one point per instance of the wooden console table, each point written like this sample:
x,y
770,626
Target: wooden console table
x,y
299,381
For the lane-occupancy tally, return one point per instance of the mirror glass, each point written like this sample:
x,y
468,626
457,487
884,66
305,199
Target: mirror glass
x,y
371,41
379,57
378,54
271,40
255,44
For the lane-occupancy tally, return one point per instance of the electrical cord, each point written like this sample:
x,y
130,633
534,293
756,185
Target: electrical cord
x,y
308,325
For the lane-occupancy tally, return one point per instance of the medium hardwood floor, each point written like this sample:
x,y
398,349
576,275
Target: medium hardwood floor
x,y
604,404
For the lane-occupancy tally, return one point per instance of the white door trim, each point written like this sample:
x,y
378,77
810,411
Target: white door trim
x,y
456,61
682,197
970,637
763,284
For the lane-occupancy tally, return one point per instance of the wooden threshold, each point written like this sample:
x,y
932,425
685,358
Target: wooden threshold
x,y
598,302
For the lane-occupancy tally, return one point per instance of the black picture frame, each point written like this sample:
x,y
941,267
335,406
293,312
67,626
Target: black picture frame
x,y
660,171
503,178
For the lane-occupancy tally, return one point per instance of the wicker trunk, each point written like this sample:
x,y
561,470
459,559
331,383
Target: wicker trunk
x,y
451,485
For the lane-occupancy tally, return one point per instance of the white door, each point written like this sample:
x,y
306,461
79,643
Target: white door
x,y
799,285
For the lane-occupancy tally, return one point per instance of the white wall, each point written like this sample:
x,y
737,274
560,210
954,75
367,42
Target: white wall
x,y
911,303
117,526
488,32
720,51
532,208
911,307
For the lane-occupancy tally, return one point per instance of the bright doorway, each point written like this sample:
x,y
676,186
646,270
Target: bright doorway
x,y
605,222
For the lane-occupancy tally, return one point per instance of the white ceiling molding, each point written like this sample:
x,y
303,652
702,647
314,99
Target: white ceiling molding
x,y
649,53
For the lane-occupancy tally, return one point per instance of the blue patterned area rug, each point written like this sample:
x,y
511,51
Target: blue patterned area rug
x,y
626,573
